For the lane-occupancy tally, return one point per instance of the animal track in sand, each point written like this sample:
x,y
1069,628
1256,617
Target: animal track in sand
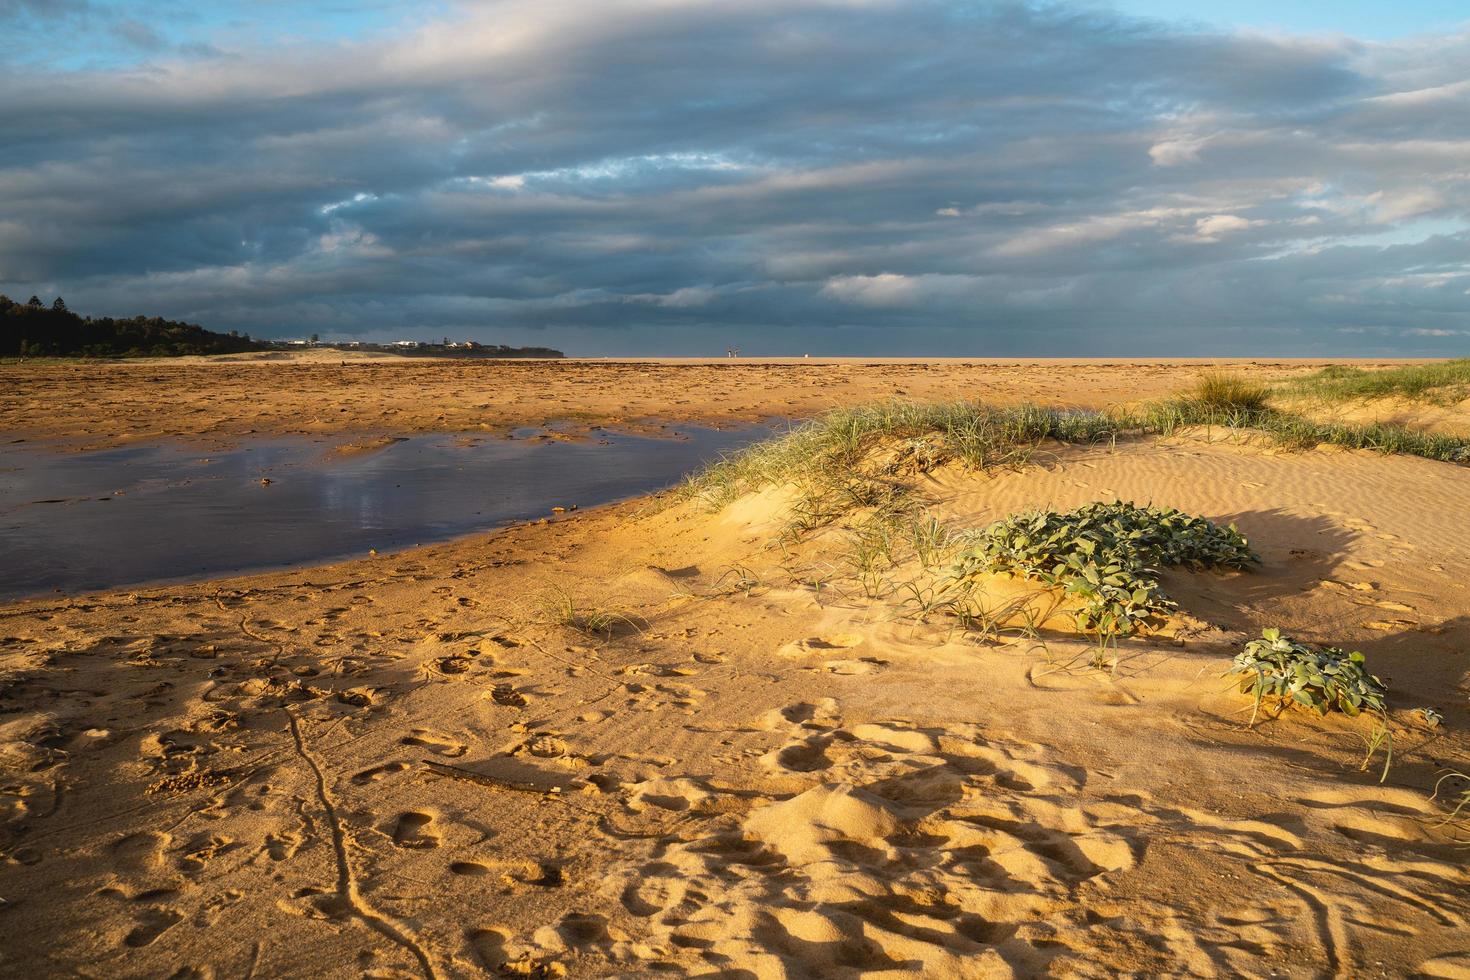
x,y
412,830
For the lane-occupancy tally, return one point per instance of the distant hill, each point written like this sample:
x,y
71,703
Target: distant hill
x,y
467,348
36,330
33,329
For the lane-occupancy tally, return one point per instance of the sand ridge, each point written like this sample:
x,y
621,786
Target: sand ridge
x,y
418,764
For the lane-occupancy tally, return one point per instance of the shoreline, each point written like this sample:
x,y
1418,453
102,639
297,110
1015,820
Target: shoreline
x,y
103,404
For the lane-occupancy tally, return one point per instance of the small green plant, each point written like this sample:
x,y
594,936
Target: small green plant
x,y
559,607
1380,738
742,579
1222,391
1428,717
1108,555
1280,672
1454,787
930,538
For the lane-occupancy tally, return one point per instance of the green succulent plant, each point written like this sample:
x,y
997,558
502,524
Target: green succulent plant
x,y
1107,555
1278,670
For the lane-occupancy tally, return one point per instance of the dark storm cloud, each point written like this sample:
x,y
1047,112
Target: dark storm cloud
x,y
826,176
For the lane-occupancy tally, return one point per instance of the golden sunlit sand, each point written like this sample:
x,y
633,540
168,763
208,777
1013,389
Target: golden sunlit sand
x,y
219,399
673,737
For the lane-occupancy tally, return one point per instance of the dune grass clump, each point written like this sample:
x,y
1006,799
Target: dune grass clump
x,y
1108,555
1222,391
822,454
822,457
1444,382
1282,673
562,609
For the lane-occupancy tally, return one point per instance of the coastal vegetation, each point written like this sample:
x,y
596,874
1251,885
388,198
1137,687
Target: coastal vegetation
x,y
826,458
1222,391
1107,556
1443,382
33,329
1278,671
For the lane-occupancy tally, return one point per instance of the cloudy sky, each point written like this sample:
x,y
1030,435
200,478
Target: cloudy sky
x,y
825,176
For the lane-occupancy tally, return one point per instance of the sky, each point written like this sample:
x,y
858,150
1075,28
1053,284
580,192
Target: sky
x,y
640,177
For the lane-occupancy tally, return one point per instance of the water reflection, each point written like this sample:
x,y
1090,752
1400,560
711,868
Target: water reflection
x,y
76,521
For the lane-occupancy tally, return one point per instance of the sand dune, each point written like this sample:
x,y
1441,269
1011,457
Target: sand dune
x,y
419,765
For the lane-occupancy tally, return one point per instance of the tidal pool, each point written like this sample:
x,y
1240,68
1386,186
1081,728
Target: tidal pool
x,y
109,518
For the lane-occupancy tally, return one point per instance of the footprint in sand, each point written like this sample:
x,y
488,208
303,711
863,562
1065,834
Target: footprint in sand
x,y
150,925
141,852
808,755
582,930
500,956
800,715
378,772
438,743
833,641
203,849
469,869
412,830
282,846
507,696
866,665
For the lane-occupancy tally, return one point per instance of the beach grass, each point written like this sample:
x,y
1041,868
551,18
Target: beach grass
x,y
828,458
1444,382
1223,391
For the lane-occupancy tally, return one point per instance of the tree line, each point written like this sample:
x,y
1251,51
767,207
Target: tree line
x,y
33,329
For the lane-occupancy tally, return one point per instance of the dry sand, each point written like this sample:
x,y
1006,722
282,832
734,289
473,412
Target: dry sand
x,y
413,765
217,400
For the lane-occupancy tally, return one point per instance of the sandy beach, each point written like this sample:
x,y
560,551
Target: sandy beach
x,y
214,401
664,738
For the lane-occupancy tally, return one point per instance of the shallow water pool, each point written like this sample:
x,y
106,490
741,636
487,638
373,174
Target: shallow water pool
x,y
109,518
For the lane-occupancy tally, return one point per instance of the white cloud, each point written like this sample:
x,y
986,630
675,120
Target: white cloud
x,y
1177,152
1391,206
